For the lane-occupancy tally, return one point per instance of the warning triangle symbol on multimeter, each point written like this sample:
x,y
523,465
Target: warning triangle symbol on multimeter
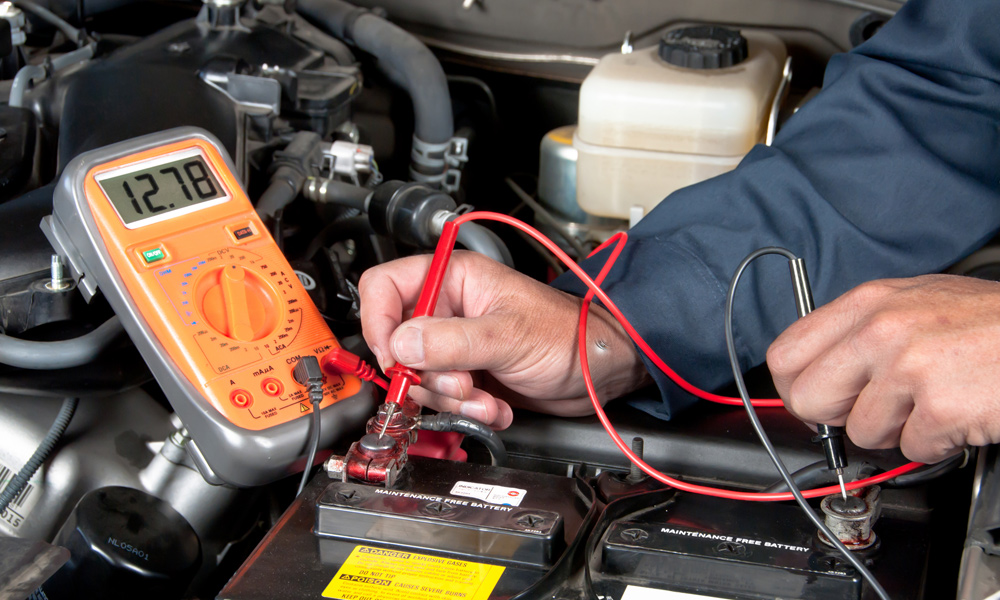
x,y
303,407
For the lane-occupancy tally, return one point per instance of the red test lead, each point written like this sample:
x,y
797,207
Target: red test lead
x,y
428,300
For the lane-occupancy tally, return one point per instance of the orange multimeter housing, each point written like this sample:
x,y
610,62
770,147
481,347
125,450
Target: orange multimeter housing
x,y
164,227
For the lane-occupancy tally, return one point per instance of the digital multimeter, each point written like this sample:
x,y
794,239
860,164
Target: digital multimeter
x,y
162,227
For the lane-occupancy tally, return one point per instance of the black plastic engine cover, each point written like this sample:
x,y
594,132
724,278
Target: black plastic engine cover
x,y
155,84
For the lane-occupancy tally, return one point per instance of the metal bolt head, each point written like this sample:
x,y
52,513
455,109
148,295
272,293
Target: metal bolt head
x,y
57,282
335,466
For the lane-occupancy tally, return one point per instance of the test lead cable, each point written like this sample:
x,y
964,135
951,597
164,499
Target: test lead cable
x,y
741,385
428,299
307,372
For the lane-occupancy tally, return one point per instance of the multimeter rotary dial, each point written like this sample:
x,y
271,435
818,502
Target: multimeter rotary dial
x,y
238,303
241,297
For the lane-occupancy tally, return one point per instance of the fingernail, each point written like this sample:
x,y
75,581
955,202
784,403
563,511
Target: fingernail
x,y
409,345
474,409
450,387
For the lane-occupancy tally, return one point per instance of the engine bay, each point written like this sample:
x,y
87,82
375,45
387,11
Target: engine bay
x,y
335,137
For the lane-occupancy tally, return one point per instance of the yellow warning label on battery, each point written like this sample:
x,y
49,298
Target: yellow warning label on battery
x,y
379,574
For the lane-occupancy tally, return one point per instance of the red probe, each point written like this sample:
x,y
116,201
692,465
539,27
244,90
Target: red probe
x,y
403,377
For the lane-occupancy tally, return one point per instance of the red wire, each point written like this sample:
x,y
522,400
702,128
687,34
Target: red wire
x,y
620,238
436,276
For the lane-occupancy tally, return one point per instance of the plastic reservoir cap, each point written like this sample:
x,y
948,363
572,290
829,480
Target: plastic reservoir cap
x,y
704,47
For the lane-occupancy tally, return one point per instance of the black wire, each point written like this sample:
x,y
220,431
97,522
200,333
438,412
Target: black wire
x,y
930,472
13,489
446,421
741,385
819,474
546,217
316,397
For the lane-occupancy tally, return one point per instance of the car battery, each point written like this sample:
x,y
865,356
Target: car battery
x,y
446,530
701,548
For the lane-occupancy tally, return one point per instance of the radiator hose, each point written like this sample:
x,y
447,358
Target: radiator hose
x,y
408,63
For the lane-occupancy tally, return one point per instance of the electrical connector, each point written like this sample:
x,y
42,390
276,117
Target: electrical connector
x,y
341,362
307,372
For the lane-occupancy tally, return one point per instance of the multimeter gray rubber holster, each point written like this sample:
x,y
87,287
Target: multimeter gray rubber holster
x,y
223,452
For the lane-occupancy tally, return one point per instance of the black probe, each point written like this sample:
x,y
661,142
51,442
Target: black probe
x,y
830,437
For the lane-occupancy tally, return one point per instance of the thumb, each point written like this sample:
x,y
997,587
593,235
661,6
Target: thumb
x,y
456,344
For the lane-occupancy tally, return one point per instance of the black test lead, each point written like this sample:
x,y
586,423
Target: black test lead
x,y
830,437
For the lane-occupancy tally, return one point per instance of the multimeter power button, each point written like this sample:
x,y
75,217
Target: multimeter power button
x,y
153,255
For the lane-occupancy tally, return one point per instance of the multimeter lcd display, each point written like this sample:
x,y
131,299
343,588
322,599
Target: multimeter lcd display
x,y
156,191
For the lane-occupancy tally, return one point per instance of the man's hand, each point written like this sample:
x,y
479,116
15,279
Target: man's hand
x,y
497,338
913,363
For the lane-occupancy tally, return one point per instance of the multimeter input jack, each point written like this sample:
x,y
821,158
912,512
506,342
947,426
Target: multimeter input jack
x,y
241,399
272,387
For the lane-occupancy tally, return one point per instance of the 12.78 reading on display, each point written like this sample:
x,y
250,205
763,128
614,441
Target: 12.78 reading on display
x,y
158,190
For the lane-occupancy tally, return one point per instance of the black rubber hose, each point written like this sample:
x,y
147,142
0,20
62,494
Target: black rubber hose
x,y
479,239
409,62
61,354
37,459
930,472
289,174
818,474
447,421
333,191
281,192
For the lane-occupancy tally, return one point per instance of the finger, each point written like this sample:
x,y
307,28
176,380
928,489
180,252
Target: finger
x,y
479,405
387,292
876,421
827,389
447,344
810,337
453,384
575,407
930,435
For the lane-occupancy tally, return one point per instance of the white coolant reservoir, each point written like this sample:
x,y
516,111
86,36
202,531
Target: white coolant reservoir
x,y
665,117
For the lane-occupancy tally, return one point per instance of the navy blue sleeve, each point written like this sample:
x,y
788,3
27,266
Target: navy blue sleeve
x,y
892,170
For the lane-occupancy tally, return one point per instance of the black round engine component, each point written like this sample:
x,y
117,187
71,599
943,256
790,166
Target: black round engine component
x,y
404,211
125,543
704,47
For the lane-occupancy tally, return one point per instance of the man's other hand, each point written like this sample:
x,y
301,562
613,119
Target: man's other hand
x,y
913,363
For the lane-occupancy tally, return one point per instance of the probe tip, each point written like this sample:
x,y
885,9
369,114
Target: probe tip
x,y
843,488
388,416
